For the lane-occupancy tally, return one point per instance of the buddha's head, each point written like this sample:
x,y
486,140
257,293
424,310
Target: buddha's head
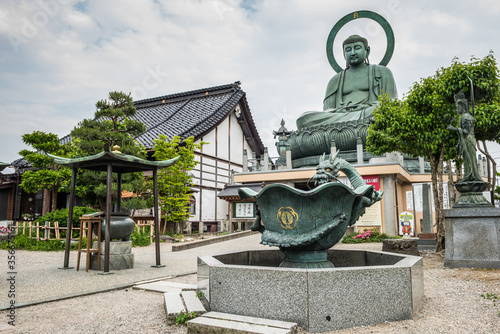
x,y
356,51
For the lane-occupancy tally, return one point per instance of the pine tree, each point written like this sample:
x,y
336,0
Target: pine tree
x,y
113,124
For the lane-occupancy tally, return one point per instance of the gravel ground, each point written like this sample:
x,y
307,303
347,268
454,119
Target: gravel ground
x,y
452,304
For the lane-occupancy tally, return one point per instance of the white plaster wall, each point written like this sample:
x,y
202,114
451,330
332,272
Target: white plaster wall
x,y
208,169
208,205
223,172
208,162
229,146
223,140
236,140
222,209
210,147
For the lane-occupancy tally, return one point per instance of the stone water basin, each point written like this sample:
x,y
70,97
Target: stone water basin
x,y
364,288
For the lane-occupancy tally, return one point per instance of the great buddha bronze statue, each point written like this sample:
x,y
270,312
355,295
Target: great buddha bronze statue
x,y
352,95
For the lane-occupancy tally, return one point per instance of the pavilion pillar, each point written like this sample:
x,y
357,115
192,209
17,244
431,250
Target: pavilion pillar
x,y
107,240
69,226
156,219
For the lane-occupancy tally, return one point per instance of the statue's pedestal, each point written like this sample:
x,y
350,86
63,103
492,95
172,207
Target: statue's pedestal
x,y
120,256
472,237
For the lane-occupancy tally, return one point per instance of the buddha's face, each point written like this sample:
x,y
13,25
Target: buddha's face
x,y
356,53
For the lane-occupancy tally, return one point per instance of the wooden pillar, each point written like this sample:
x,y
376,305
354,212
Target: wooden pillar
x,y
70,220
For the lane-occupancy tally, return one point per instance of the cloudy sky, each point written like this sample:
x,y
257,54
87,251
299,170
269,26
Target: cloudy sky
x,y
59,57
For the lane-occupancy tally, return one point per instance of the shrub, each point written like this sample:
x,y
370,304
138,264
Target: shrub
x,y
24,242
140,238
366,236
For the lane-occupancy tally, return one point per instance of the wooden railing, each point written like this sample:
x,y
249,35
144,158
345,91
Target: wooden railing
x,y
52,230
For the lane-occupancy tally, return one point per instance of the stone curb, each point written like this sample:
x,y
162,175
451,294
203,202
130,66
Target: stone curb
x,y
204,242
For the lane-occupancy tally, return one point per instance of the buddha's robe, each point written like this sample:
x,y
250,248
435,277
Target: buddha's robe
x,y
337,110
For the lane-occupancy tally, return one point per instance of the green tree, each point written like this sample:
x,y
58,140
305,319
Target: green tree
x,y
174,182
45,175
485,76
416,125
113,124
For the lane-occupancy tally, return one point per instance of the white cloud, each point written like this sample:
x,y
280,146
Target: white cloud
x,y
276,49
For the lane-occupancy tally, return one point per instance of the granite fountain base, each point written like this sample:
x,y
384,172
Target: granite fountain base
x,y
364,288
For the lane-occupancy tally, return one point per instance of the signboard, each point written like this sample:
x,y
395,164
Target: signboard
x,y
373,180
244,210
372,216
406,224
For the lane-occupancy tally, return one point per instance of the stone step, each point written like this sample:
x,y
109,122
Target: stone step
x,y
185,301
192,302
426,242
216,322
173,306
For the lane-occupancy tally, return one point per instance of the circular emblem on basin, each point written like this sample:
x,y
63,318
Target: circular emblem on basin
x,y
288,218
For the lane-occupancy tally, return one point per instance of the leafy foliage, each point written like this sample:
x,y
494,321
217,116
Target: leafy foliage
x,y
140,238
417,124
174,182
183,318
61,215
23,241
47,175
134,203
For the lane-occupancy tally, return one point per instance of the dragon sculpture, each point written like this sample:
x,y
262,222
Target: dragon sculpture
x,y
305,224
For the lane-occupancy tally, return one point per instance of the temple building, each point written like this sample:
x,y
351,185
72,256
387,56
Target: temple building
x,y
217,115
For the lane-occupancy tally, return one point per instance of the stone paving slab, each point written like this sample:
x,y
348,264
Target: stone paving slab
x,y
192,302
165,286
173,306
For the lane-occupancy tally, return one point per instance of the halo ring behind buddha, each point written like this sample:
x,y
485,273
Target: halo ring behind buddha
x,y
356,15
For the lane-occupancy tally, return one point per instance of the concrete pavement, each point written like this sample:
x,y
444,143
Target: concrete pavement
x,y
38,279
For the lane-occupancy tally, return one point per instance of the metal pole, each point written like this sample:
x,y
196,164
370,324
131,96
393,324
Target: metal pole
x,y
70,220
156,219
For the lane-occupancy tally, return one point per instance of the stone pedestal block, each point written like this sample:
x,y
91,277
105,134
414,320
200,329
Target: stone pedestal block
x,y
401,246
120,256
472,237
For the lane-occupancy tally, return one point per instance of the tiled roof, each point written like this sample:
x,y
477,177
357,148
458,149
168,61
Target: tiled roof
x,y
194,113
21,163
